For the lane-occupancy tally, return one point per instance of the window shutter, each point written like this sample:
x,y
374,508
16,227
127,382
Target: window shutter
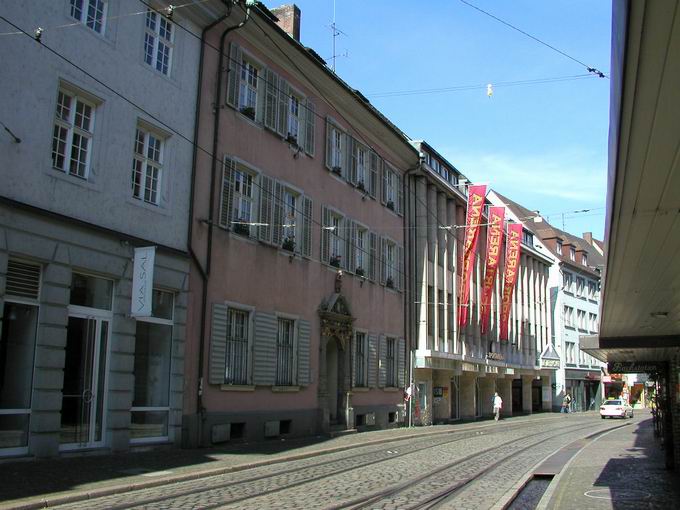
x,y
401,364
277,216
374,164
382,365
271,103
264,349
218,344
352,246
284,101
23,280
234,74
383,186
307,210
343,234
266,196
325,234
226,210
382,263
353,361
352,159
329,145
373,256
372,379
310,124
303,354
400,194
399,263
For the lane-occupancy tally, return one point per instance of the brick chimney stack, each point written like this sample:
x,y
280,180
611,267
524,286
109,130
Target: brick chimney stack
x,y
289,19
588,236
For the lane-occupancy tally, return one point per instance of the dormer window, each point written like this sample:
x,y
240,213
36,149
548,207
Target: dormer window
x,y
558,247
584,259
572,253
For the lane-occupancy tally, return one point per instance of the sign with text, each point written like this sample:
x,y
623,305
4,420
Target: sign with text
x,y
494,241
142,281
476,196
512,251
634,367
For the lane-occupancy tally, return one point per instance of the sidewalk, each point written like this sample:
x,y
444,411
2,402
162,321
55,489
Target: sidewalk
x,y
29,483
622,469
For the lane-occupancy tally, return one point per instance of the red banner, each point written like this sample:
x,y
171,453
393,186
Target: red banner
x,y
476,196
512,251
494,241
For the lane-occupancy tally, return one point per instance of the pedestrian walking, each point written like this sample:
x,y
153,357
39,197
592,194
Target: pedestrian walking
x,y
497,406
566,404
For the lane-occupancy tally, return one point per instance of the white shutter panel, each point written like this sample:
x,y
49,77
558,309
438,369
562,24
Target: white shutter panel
x,y
401,365
277,216
373,256
383,183
382,365
325,234
303,353
400,194
307,210
374,165
271,103
284,101
353,361
399,264
234,74
266,212
329,145
218,344
352,159
372,379
352,249
226,210
264,349
382,263
310,124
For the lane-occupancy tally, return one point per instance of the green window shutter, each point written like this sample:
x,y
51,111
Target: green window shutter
x,y
303,353
372,361
374,166
399,266
325,235
218,344
264,349
382,365
329,145
234,74
284,105
401,364
307,210
266,208
226,210
277,216
372,256
310,124
271,103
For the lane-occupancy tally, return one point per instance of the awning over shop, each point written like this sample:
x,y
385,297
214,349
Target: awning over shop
x,y
582,375
631,348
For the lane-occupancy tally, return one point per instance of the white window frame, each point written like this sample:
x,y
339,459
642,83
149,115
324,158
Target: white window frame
x,y
292,215
362,156
361,248
84,17
148,163
584,259
68,130
158,43
337,147
296,119
248,91
391,185
558,247
389,258
241,173
293,349
572,253
250,311
337,239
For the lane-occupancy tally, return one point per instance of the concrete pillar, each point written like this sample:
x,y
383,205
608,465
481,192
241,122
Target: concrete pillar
x,y
421,262
467,395
546,394
450,271
504,388
527,381
487,387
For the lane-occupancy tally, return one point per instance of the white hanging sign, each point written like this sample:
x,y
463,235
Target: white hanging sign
x,y
142,281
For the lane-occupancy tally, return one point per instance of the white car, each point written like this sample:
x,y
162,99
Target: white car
x,y
617,407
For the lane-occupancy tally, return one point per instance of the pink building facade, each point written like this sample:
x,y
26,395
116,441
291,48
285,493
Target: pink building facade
x,y
296,322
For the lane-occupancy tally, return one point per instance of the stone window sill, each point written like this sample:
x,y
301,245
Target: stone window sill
x,y
285,389
237,387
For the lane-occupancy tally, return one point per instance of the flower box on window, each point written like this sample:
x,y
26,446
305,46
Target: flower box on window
x,y
288,244
242,228
249,112
360,186
337,170
335,261
292,139
389,283
390,205
359,271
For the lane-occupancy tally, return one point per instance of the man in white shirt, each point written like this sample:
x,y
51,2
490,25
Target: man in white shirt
x,y
497,405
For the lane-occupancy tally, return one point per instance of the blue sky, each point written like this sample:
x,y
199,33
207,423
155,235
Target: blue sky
x,y
543,145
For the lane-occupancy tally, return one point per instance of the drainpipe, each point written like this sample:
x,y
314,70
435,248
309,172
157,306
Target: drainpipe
x,y
408,310
200,410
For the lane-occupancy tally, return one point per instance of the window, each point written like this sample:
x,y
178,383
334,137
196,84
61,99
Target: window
x,y
243,201
584,259
361,155
247,94
294,117
284,352
337,238
572,253
568,280
391,366
72,138
390,255
152,370
440,319
361,249
147,165
558,247
291,202
580,286
392,192
90,13
527,238
158,42
571,358
336,148
581,320
591,289
569,316
238,330
593,322
430,316
360,359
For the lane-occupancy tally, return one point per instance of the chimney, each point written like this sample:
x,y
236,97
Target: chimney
x,y
289,19
588,236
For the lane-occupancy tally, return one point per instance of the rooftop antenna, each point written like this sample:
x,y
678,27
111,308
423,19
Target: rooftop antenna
x,y
336,33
